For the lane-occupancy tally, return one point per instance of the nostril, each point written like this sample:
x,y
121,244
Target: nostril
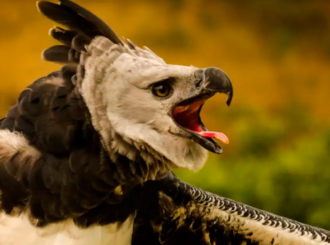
x,y
198,83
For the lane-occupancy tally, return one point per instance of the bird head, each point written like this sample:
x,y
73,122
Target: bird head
x,y
140,105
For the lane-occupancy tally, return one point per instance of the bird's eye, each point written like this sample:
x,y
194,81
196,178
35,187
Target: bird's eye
x,y
161,89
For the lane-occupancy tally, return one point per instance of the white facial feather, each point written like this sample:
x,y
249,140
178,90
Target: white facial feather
x,y
116,91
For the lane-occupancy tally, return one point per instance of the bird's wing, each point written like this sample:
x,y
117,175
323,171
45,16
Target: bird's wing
x,y
179,213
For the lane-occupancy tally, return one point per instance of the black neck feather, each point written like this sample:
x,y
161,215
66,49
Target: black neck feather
x,y
73,178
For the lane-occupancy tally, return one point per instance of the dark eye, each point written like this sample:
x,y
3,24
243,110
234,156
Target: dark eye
x,y
161,89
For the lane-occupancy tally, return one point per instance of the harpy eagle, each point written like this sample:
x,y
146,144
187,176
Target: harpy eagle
x,y
86,153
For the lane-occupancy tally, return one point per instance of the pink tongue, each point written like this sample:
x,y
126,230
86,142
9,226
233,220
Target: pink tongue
x,y
219,136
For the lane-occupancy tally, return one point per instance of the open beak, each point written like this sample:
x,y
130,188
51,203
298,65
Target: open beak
x,y
186,114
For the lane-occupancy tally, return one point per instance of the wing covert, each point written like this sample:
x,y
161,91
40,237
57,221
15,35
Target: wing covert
x,y
188,215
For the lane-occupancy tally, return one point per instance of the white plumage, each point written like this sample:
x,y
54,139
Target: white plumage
x,y
19,231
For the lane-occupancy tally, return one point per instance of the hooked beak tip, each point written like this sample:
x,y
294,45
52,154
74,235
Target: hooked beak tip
x,y
229,98
218,81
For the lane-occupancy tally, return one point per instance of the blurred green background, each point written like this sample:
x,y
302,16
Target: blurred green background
x,y
277,54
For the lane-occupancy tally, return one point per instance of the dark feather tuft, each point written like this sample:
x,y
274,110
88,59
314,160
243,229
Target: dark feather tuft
x,y
102,27
78,19
58,53
61,54
79,42
62,35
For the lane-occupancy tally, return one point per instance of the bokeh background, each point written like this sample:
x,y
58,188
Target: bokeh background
x,y
277,54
